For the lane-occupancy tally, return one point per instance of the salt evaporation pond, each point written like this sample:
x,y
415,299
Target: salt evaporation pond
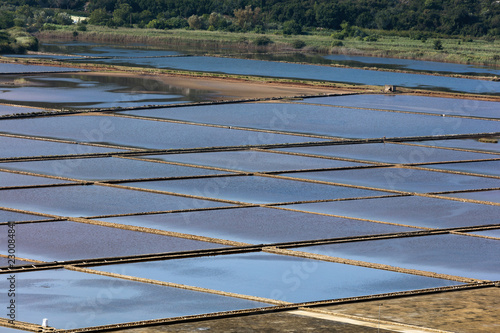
x,y
388,153
95,200
254,189
464,256
8,216
424,104
108,168
410,210
472,144
95,91
254,161
400,179
4,261
90,49
6,68
486,196
258,225
489,233
8,179
418,65
20,147
322,120
64,240
272,276
310,72
72,299
11,109
491,168
140,133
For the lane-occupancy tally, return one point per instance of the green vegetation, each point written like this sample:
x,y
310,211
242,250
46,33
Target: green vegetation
x,y
16,40
450,17
464,31
406,45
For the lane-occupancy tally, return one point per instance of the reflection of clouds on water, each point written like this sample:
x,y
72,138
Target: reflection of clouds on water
x,y
95,91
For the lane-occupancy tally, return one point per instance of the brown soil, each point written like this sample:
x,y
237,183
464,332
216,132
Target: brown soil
x,y
459,311
229,88
275,322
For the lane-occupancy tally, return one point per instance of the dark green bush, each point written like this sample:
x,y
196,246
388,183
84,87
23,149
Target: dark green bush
x,y
262,41
298,44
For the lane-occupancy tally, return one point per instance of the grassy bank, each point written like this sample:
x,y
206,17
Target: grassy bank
x,y
455,50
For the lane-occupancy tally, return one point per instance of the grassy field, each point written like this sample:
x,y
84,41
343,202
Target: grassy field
x,y
456,50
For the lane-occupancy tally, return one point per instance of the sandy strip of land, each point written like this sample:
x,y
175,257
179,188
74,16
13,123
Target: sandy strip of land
x,y
231,88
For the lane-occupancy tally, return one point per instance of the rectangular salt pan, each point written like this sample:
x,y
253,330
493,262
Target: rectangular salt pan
x,y
410,210
70,299
59,241
258,225
465,256
95,200
279,277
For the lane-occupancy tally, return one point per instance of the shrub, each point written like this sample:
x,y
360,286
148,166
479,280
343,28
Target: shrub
x,y
81,27
292,28
242,39
438,45
49,26
371,38
337,43
298,44
262,41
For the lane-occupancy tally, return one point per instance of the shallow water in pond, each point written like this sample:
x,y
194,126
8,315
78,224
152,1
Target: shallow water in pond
x,y
96,91
466,144
389,153
401,179
93,49
322,120
8,216
410,210
491,168
488,196
64,240
253,189
17,147
419,65
107,169
446,106
278,277
5,262
254,161
8,179
95,200
72,299
490,233
10,109
140,133
457,255
258,225
311,72
19,68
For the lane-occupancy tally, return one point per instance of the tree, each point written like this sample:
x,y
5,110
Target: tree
x,y
122,14
63,19
195,22
292,28
248,18
6,20
99,17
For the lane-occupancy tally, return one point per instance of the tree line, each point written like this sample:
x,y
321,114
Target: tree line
x,y
451,17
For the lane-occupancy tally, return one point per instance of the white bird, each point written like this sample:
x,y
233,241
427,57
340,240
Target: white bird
x,y
45,322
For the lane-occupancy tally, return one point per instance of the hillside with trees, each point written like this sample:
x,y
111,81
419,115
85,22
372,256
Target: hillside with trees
x,y
451,17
